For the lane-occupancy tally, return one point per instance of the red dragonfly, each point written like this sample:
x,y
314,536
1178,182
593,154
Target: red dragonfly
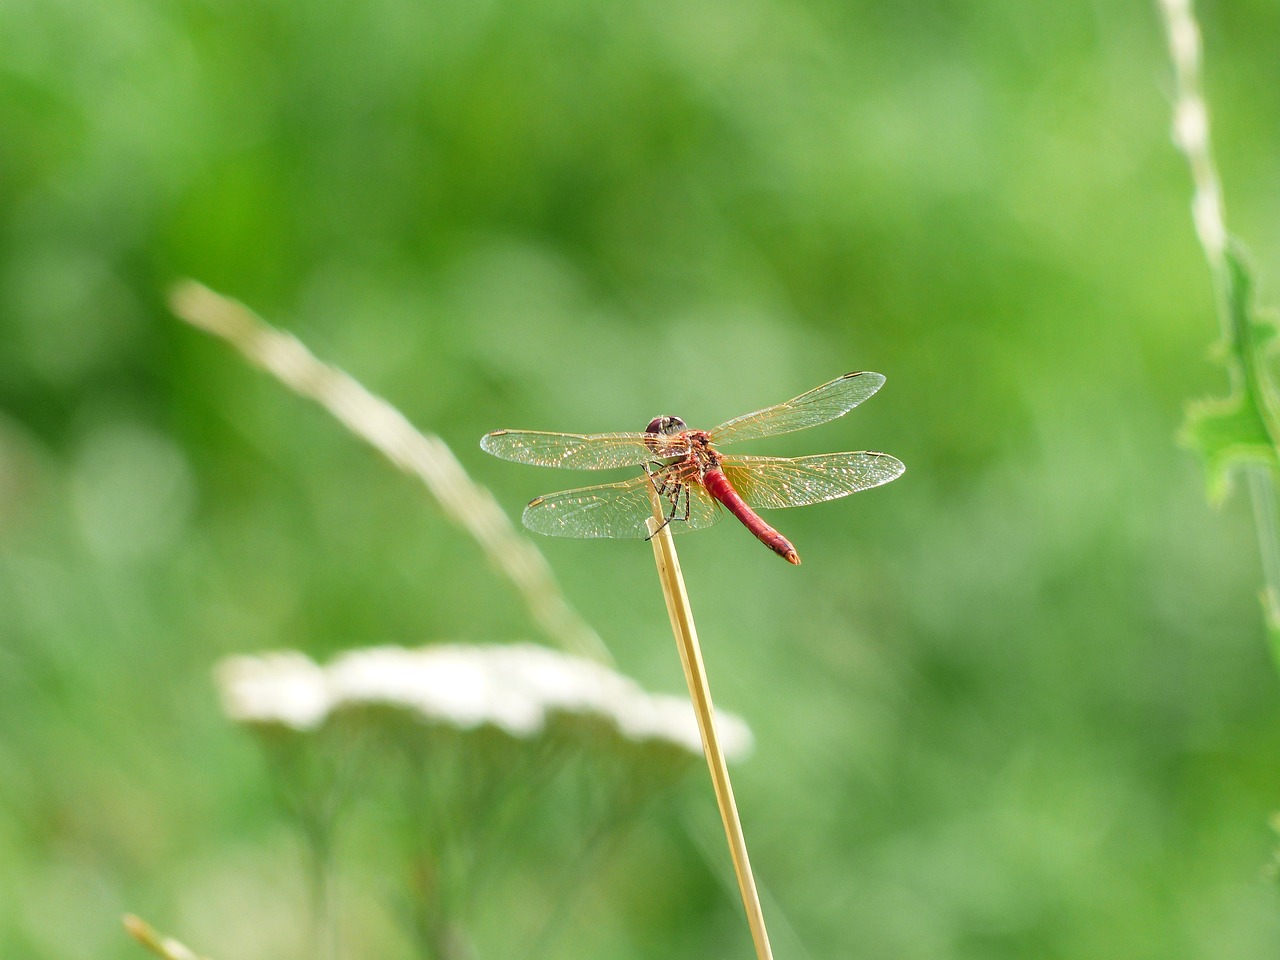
x,y
691,478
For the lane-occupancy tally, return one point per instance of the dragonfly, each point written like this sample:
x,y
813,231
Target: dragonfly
x,y
689,479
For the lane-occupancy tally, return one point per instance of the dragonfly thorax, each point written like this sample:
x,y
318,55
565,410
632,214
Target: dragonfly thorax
x,y
672,442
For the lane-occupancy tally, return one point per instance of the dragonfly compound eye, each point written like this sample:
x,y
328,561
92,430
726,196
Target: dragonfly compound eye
x,y
665,425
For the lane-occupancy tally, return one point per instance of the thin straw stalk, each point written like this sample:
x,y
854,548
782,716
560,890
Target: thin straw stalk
x,y
686,634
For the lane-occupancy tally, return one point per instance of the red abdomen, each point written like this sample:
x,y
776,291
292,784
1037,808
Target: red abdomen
x,y
718,486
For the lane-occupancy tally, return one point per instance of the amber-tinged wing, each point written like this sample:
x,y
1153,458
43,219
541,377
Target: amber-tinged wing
x,y
819,405
772,482
575,451
618,510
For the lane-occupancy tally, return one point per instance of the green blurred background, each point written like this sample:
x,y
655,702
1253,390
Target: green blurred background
x,y
1016,704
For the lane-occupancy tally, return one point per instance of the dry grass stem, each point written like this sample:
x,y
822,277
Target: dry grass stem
x,y
468,505
686,634
161,946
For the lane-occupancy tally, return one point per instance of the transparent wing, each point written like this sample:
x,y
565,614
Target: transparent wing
x,y
619,510
819,405
576,451
773,482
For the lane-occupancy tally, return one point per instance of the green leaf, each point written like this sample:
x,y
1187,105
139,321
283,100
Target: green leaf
x,y
1225,434
1244,427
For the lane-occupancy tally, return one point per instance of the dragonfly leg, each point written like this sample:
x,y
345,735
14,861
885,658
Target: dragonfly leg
x,y
656,469
671,489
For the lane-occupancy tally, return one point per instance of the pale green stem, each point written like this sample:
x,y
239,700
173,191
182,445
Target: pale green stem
x,y
1191,134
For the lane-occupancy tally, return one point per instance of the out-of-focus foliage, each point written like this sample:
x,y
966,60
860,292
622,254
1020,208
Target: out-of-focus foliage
x,y
1016,704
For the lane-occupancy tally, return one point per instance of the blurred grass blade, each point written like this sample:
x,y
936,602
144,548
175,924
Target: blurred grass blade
x,y
161,946
1241,432
470,506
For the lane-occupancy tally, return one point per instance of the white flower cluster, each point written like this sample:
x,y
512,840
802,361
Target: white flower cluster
x,y
516,688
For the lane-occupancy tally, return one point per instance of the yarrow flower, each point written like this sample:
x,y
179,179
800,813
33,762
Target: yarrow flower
x,y
516,688
562,746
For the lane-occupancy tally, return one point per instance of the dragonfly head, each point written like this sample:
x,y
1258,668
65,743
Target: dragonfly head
x,y
665,426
